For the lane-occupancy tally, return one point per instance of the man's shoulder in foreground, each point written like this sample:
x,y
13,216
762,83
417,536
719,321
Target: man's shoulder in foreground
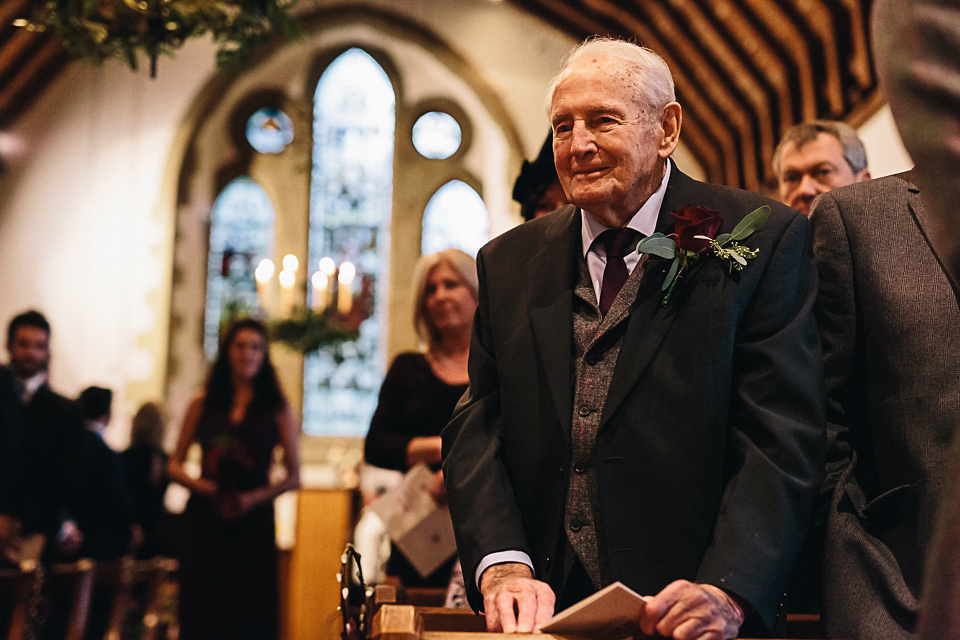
x,y
875,189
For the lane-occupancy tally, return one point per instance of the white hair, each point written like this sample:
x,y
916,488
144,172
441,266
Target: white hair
x,y
651,75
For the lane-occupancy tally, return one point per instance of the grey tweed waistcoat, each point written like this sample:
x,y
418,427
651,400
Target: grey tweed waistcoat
x,y
597,341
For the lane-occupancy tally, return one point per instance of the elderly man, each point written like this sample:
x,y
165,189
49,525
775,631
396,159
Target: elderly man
x,y
815,157
673,442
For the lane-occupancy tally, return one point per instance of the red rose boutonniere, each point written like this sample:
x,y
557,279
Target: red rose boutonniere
x,y
695,235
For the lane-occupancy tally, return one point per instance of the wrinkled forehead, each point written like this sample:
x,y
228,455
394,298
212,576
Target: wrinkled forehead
x,y
602,75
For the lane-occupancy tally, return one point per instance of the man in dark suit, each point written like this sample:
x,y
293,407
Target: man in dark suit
x,y
675,445
104,510
888,317
11,429
45,483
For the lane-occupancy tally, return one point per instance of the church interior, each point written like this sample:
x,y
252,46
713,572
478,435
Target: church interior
x,y
137,206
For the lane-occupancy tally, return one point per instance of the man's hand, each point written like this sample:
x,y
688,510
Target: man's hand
x,y
70,538
688,611
513,601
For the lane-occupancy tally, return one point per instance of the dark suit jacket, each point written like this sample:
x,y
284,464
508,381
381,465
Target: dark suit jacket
x,y
11,431
104,511
889,320
710,445
47,477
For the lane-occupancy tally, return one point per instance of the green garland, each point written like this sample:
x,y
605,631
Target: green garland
x,y
308,331
101,29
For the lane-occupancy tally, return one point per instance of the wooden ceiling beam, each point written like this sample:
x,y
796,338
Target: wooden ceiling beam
x,y
741,73
13,49
860,62
821,21
30,79
694,78
795,44
779,76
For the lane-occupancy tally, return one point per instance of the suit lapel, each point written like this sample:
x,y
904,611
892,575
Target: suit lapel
x,y
915,203
649,321
550,285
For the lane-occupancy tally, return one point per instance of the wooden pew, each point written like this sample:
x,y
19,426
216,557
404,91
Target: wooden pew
x,y
408,622
73,582
160,572
122,578
19,589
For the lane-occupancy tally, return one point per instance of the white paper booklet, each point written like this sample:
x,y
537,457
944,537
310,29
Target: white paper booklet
x,y
613,613
420,528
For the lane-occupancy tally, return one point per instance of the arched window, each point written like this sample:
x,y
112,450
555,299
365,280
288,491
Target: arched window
x,y
241,235
455,217
373,142
350,202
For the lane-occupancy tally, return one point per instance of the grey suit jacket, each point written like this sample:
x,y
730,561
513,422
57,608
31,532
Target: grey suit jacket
x,y
888,319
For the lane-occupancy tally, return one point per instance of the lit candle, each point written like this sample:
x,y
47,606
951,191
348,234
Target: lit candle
x,y
287,279
290,262
263,273
318,297
328,267
345,290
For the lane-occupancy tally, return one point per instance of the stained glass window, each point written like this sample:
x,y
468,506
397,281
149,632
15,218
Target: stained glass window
x,y
241,235
350,204
436,135
455,217
269,130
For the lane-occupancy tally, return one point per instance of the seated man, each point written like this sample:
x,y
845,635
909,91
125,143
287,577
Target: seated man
x,y
612,432
815,157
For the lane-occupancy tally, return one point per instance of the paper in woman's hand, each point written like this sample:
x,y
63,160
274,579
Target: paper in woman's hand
x,y
420,527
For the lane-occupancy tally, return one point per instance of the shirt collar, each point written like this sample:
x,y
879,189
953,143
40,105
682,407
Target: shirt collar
x,y
31,384
644,220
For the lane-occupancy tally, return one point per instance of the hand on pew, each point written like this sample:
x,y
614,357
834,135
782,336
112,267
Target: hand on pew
x,y
513,601
685,610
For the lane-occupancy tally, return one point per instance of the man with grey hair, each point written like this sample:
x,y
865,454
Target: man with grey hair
x,y
815,157
612,432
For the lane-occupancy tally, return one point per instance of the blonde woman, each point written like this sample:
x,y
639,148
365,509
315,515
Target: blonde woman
x,y
421,389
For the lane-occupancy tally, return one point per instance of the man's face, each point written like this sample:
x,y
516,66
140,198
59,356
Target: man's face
x,y
610,156
29,351
814,168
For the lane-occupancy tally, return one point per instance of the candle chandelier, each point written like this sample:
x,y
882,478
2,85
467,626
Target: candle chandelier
x,y
337,306
101,29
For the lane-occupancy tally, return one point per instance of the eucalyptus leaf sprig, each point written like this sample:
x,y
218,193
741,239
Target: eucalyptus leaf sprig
x,y
685,247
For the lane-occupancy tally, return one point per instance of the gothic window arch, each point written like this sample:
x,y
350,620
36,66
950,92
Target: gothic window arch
x,y
263,126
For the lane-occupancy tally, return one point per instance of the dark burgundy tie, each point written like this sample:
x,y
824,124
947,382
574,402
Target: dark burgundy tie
x,y
617,243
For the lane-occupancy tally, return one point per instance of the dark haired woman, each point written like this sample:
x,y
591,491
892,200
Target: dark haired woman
x,y
228,584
